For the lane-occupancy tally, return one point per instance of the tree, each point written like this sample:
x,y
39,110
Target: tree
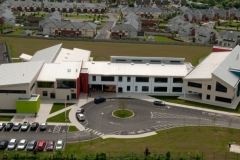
x,y
168,155
122,105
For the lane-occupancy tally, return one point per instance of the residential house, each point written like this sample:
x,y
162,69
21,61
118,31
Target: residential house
x,y
175,23
91,7
234,14
70,29
51,17
218,14
187,30
192,16
228,39
123,2
32,21
143,12
25,6
6,16
63,7
184,9
130,28
205,14
206,35
27,33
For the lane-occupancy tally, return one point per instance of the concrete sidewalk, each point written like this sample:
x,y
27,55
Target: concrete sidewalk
x,y
129,136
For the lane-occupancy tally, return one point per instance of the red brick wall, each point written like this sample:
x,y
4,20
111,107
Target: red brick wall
x,y
114,34
84,82
193,32
68,33
213,37
1,21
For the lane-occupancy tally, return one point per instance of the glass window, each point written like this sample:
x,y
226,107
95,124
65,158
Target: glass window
x,y
128,79
136,88
107,78
45,84
177,89
145,88
220,87
93,78
160,80
142,79
222,99
45,93
128,88
32,86
195,85
209,87
13,91
66,84
208,96
160,89
119,79
177,80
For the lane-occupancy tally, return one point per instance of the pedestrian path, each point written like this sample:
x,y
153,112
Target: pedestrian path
x,y
88,130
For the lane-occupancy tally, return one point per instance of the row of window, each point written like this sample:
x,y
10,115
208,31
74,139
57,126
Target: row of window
x,y
140,61
13,91
156,89
219,86
60,84
138,79
220,99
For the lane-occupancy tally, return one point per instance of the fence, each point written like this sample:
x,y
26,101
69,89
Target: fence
x,y
113,41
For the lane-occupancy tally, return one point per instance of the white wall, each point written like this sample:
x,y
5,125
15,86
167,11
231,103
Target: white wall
x,y
62,93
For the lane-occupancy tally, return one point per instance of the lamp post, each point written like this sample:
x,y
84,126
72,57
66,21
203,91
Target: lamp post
x,y
66,120
57,133
102,122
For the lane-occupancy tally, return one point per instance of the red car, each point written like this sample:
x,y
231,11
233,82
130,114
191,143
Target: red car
x,y
41,145
50,146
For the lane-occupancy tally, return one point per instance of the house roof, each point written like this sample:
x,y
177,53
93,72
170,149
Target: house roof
x,y
229,35
71,25
47,55
19,73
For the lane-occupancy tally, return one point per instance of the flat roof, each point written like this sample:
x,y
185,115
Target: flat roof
x,y
47,55
108,68
25,57
65,70
205,69
19,73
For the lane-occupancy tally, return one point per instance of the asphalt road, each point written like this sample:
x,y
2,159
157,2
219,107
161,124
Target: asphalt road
x,y
147,117
103,31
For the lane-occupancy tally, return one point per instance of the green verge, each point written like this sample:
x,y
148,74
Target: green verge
x,y
6,118
60,117
120,114
174,99
73,129
58,106
17,32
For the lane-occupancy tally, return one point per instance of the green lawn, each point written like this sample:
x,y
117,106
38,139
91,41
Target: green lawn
x,y
173,99
60,117
81,16
73,129
58,106
230,24
17,32
162,25
6,118
119,113
163,39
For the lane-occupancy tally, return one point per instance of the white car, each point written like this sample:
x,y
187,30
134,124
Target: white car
x,y
22,144
59,145
25,126
81,117
12,144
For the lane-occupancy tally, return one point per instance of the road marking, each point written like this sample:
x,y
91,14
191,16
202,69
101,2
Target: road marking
x,y
108,106
151,114
114,123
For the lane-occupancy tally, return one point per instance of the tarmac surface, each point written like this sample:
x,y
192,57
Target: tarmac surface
x,y
2,50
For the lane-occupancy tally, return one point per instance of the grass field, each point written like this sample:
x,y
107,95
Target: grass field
x,y
103,51
163,39
17,32
119,113
173,99
73,129
58,106
6,118
60,117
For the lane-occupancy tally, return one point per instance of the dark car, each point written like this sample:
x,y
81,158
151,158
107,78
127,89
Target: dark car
x,y
3,144
34,126
50,146
31,145
17,126
159,103
9,126
2,125
41,145
99,99
43,126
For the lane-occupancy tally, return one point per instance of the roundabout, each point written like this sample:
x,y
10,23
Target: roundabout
x,y
123,113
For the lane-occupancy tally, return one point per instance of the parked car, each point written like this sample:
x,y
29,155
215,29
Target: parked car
x,y
9,126
81,117
50,146
97,22
31,145
43,126
2,125
59,144
12,144
159,103
34,126
25,126
99,99
80,110
22,144
41,145
3,144
17,126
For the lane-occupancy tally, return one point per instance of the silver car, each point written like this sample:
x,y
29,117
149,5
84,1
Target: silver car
x,y
22,144
12,144
25,126
59,145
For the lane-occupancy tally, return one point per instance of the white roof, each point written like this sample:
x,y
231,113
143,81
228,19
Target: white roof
x,y
25,57
205,69
19,73
107,68
65,70
47,55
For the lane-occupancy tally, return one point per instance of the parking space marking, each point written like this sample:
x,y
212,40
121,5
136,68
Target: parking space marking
x,y
56,129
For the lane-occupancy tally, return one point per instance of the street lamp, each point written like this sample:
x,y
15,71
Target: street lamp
x,y
57,133
66,120
102,122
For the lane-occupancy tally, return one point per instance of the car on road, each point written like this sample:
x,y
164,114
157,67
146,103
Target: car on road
x,y
80,110
159,103
31,145
3,144
43,126
41,145
25,126
9,126
12,144
99,99
17,126
22,144
50,146
81,117
59,145
34,126
2,125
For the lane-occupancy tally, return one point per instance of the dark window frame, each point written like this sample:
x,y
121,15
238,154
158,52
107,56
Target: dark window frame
x,y
142,79
32,86
67,83
45,84
120,79
209,87
177,89
177,80
128,79
161,89
222,99
128,88
45,93
13,91
94,78
145,88
208,96
160,80
107,78
194,84
221,88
